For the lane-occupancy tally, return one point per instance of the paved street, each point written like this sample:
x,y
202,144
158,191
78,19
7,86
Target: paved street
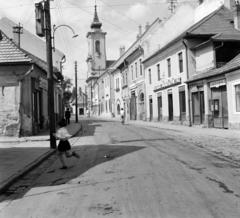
x,y
133,171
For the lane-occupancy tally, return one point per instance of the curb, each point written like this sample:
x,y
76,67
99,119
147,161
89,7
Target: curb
x,y
24,171
31,166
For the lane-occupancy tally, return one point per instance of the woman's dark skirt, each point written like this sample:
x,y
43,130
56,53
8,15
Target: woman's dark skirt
x,y
64,145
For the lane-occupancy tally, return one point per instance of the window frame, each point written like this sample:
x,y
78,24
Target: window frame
x,y
169,67
237,93
158,72
180,62
136,68
141,70
150,76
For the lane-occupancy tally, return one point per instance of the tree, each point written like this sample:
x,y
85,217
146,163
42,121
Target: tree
x,y
66,85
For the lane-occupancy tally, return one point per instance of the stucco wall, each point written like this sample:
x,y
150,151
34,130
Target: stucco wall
x,y
9,107
233,116
204,57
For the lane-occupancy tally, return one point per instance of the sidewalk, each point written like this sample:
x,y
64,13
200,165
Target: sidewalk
x,y
196,129
223,142
18,156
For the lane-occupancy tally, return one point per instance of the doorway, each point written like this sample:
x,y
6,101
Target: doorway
x,y
159,108
198,107
150,108
219,107
170,107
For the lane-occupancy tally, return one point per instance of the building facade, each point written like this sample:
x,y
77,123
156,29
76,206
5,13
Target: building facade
x,y
24,85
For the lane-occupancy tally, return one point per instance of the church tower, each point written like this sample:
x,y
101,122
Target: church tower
x,y
96,59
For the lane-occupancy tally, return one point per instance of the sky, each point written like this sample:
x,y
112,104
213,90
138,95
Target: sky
x,y
120,19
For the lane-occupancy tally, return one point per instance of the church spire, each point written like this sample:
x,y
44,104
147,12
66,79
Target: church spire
x,y
96,24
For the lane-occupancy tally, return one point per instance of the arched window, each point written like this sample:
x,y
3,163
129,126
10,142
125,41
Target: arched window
x,y
97,46
141,97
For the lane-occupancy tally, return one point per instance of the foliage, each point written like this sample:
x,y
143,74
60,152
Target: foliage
x,y
67,94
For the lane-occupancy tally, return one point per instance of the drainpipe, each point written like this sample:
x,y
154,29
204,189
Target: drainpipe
x,y
20,99
189,93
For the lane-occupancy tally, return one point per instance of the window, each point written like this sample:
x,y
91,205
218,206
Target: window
x,y
140,67
97,46
180,61
136,69
237,92
123,80
169,67
126,79
132,71
150,76
158,72
117,83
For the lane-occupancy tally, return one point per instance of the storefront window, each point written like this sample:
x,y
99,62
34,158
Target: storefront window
x,y
237,92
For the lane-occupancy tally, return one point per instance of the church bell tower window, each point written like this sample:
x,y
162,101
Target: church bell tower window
x,y
97,47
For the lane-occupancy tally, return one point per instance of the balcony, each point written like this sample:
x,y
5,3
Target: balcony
x,y
117,89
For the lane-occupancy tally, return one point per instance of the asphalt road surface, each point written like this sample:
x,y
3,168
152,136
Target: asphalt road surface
x,y
129,172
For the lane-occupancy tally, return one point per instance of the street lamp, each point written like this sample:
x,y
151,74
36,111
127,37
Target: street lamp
x,y
55,28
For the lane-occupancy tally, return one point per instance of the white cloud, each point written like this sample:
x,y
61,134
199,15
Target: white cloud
x,y
138,11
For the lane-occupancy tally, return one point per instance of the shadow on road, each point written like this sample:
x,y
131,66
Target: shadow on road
x,y
91,156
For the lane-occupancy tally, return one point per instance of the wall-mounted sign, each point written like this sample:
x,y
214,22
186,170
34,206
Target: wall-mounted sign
x,y
218,83
167,84
10,80
43,83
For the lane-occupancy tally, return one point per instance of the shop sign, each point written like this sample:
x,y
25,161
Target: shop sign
x,y
43,83
8,81
169,83
218,83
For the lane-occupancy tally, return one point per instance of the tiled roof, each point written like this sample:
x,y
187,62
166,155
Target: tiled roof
x,y
9,52
231,65
217,22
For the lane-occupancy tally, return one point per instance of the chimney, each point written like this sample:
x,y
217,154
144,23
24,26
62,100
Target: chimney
x,y
120,50
17,30
123,49
140,30
236,14
137,36
229,4
147,26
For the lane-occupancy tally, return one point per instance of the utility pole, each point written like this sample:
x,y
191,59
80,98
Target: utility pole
x,y
51,113
18,30
76,103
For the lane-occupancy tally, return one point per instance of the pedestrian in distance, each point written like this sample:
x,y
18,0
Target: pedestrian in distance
x,y
64,145
122,115
67,116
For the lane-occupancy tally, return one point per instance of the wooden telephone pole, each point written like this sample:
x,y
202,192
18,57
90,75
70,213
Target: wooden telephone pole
x,y
76,103
51,113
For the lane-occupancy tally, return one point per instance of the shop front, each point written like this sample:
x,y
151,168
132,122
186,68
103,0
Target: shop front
x,y
198,106
219,103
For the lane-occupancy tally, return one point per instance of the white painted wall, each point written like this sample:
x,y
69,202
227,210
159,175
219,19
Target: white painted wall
x,y
204,58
